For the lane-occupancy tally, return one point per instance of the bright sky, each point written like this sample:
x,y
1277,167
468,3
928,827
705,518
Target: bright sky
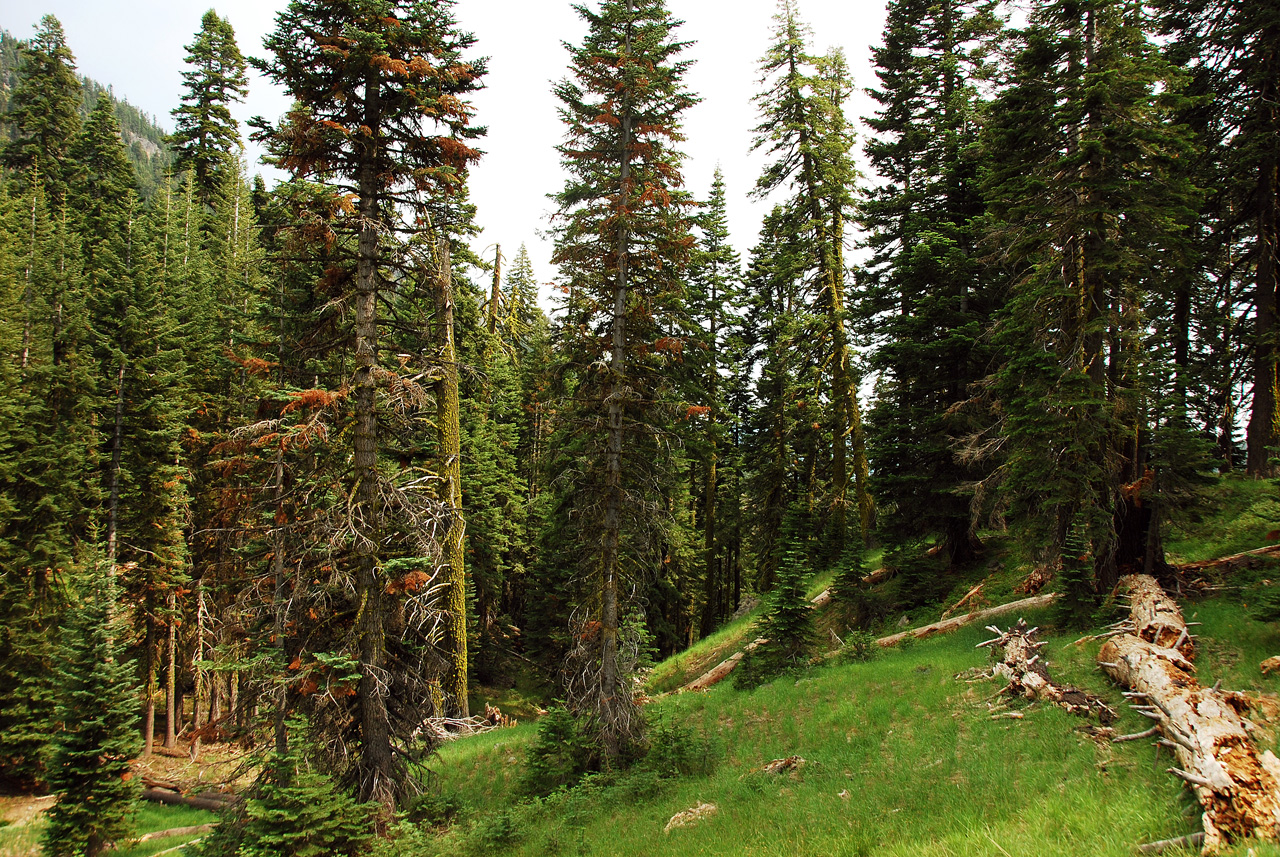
x,y
137,48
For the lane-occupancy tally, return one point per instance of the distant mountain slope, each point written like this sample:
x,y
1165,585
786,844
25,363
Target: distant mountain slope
x,y
144,139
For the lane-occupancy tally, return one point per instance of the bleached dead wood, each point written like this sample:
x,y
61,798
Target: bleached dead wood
x,y
1237,786
721,671
963,601
1227,560
1027,672
174,831
946,625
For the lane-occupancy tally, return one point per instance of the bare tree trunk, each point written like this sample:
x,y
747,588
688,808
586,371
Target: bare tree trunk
x,y
448,413
171,678
113,496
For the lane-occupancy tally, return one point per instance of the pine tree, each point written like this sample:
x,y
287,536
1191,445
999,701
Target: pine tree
x,y
206,138
89,772
45,110
1232,52
929,298
386,178
621,242
715,299
787,625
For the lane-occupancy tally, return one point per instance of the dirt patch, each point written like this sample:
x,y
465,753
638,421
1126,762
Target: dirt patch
x,y
22,809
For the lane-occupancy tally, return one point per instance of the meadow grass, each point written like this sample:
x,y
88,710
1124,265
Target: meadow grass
x,y
24,839
903,757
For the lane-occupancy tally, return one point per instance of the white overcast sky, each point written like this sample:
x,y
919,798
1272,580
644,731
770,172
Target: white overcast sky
x,y
137,48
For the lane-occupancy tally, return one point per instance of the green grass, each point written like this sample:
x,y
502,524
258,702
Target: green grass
x,y
1234,515
924,768
24,839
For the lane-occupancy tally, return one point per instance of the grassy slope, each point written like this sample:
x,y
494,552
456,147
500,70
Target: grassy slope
x,y
923,767
24,839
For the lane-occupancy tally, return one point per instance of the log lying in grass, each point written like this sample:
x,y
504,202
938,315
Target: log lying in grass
x,y
1227,561
174,831
955,622
1238,787
1028,674
173,798
722,670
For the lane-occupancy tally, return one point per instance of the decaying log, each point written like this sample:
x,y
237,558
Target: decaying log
x,y
1189,841
1028,674
1238,787
198,802
1269,550
721,671
955,622
174,831
1156,617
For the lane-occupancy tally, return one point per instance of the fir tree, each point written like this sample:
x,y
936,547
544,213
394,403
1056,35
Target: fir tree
x,y
621,242
1088,201
89,772
45,109
805,132
397,62
787,625
206,138
929,299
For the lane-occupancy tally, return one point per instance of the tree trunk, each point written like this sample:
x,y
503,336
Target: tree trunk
x,y
1264,420
1238,787
450,438
171,677
376,764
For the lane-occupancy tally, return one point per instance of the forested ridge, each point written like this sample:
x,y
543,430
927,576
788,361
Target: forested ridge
x,y
304,468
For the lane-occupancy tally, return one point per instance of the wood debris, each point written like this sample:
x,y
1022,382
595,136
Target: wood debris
x,y
690,817
1237,786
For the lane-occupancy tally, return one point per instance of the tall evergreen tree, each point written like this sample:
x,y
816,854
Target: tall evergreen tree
x,y
809,140
715,300
1088,202
206,138
1232,51
388,179
45,109
928,298
622,240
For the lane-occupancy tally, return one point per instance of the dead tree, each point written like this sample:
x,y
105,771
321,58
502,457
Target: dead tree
x,y
1150,656
1027,672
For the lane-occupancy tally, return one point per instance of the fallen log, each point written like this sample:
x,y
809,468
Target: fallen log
x,y
173,798
1028,674
174,831
721,671
1238,787
955,622
1269,550
963,601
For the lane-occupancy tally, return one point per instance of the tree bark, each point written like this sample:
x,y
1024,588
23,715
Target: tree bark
x,y
450,438
377,765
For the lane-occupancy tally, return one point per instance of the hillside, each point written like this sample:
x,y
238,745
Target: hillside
x,y
912,752
143,137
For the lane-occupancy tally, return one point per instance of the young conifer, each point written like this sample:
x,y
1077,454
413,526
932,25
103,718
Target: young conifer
x,y
97,732
45,109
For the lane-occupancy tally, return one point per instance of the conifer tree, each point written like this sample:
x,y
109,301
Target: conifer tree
x,y
621,242
715,299
928,298
804,130
206,138
89,772
388,178
45,109
1088,202
1232,52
